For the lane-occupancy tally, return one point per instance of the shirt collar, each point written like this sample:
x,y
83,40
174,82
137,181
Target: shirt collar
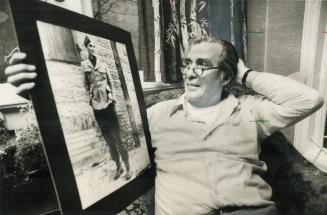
x,y
90,65
179,105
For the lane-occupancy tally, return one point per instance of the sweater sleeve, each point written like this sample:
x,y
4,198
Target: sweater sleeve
x,y
283,101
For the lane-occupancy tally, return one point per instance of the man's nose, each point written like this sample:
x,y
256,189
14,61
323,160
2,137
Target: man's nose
x,y
190,72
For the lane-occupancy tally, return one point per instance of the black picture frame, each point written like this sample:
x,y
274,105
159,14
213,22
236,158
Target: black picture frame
x,y
26,14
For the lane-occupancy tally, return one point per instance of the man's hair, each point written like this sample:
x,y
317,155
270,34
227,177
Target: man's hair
x,y
228,58
86,41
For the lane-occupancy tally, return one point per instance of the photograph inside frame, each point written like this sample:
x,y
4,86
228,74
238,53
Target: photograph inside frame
x,y
98,109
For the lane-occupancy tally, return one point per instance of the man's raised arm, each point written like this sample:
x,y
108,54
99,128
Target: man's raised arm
x,y
283,102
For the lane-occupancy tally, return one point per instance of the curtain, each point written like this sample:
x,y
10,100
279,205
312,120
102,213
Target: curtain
x,y
146,39
181,20
227,20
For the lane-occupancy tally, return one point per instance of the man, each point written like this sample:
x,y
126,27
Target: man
x,y
101,99
206,142
207,152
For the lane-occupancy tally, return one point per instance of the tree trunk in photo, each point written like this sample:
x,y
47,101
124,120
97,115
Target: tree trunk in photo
x,y
98,14
126,95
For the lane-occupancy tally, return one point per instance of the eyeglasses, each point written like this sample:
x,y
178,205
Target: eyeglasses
x,y
197,71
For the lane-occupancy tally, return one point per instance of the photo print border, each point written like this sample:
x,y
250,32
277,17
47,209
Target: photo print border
x,y
26,14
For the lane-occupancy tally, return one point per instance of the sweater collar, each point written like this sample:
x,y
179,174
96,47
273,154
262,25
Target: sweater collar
x,y
228,105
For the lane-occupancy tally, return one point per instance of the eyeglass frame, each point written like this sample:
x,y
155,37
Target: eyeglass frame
x,y
194,70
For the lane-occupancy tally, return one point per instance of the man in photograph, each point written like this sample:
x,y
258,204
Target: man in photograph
x,y
207,141
103,105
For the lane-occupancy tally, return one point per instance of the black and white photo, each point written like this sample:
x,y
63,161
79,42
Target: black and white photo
x,y
89,108
104,134
226,115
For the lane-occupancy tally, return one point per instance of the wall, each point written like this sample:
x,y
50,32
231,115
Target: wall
x,y
227,21
274,45
274,38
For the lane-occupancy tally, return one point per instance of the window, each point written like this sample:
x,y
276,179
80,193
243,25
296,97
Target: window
x,y
310,134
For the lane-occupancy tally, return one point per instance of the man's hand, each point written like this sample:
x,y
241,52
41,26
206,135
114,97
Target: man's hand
x,y
241,69
19,74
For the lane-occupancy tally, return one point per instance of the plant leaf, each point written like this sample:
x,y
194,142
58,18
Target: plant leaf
x,y
202,5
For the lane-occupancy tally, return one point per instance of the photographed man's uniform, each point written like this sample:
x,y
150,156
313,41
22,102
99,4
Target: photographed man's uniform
x,y
208,158
103,106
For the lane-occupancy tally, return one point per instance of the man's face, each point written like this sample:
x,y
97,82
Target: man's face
x,y
91,48
205,90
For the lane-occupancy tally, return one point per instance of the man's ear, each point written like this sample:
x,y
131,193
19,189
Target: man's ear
x,y
221,78
226,82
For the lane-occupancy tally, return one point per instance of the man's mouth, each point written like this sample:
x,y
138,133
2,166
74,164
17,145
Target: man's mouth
x,y
192,85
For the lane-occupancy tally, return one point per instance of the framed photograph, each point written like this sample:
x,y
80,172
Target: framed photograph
x,y
89,106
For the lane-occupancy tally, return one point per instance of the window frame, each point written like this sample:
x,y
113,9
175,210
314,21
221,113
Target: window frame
x,y
310,144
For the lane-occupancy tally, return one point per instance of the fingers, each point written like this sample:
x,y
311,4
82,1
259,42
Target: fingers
x,y
19,73
21,77
240,64
240,60
25,87
16,58
19,68
241,68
